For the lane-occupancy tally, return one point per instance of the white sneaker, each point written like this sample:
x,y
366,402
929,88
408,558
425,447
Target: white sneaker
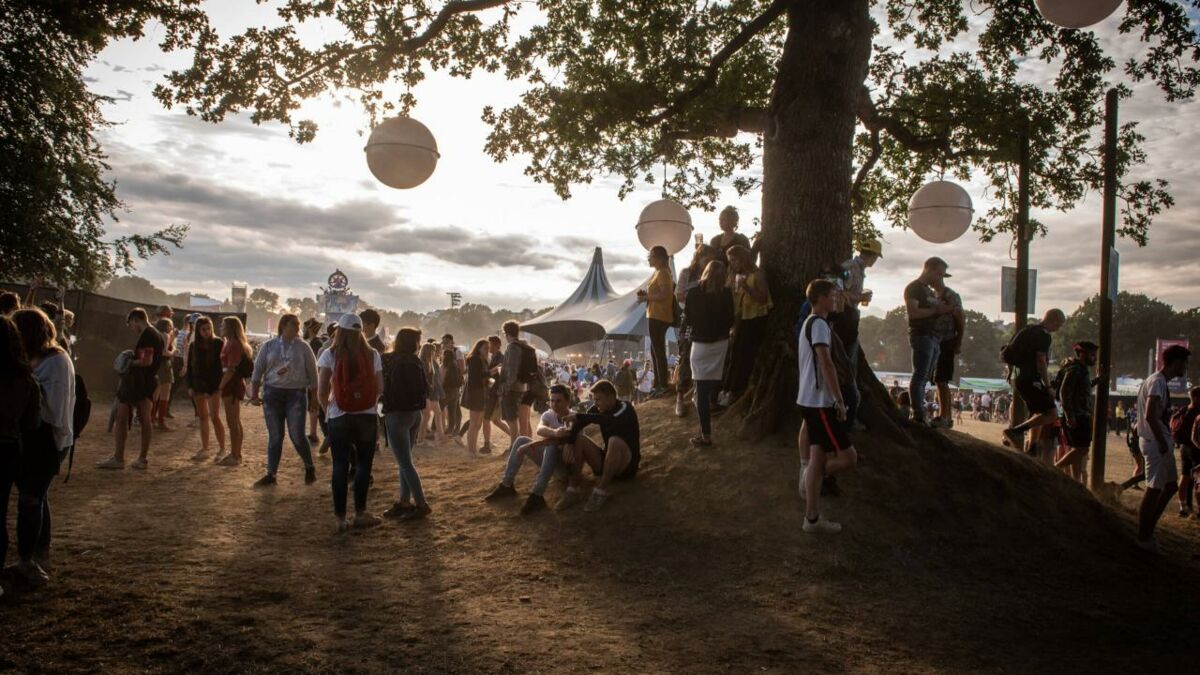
x,y
596,501
343,525
822,526
110,463
138,464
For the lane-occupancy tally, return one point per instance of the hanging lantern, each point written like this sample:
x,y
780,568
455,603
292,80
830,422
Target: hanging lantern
x,y
401,153
940,212
664,223
1076,13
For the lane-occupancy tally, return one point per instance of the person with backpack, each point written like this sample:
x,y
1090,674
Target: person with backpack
x,y
514,376
709,317
203,374
454,367
404,391
1074,387
285,373
924,308
43,448
1154,399
537,394
1028,354
136,392
822,407
237,365
20,414
350,380
1184,427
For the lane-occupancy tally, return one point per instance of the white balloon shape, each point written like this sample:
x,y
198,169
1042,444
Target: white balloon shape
x,y
665,223
1076,13
401,153
940,212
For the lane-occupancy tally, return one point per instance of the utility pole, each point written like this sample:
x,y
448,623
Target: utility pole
x,y
1017,411
455,299
1107,292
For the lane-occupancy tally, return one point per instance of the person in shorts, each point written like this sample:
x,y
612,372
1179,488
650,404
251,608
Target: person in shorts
x,y
512,389
1075,394
822,407
1158,448
950,328
618,459
1031,349
137,389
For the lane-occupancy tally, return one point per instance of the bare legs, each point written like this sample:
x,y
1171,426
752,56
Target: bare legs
x,y
124,411
209,408
233,415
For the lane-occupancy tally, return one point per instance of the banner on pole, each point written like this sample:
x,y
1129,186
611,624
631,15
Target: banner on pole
x,y
1008,290
1114,266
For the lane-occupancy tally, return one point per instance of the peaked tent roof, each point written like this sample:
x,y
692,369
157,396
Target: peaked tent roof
x,y
593,312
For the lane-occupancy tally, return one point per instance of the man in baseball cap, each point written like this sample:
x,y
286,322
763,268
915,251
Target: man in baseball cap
x,y
924,307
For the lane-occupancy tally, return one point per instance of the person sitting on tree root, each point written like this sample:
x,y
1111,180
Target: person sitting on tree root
x,y
821,406
617,460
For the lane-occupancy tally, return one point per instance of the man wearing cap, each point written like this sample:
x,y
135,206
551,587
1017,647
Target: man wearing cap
x,y
1075,394
924,308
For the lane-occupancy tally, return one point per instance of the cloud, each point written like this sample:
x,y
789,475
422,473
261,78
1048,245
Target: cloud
x,y
192,127
123,95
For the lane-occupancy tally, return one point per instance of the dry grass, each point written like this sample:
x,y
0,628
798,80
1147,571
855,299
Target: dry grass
x,y
956,557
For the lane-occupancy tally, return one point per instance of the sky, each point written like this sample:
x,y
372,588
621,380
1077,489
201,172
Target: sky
x,y
268,212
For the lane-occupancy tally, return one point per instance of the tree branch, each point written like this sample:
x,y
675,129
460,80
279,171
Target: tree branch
x,y
713,69
870,117
864,170
735,119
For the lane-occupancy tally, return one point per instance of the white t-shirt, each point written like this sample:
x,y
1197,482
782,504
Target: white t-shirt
x,y
1155,385
811,395
327,360
550,420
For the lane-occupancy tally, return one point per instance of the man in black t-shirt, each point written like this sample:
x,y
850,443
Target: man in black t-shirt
x,y
1031,348
924,308
618,459
136,392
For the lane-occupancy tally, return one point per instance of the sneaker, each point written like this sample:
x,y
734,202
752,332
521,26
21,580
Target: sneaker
x,y
32,573
486,449
596,501
1016,439
200,456
139,463
398,509
310,475
1184,512
701,442
724,399
342,526
365,519
570,498
502,491
533,504
229,460
111,463
266,481
822,526
312,438
417,512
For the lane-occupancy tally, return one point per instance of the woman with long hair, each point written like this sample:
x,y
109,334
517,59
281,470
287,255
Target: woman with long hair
x,y
404,391
44,448
433,406
166,374
235,356
659,292
708,318
204,375
751,307
689,278
20,414
475,393
349,382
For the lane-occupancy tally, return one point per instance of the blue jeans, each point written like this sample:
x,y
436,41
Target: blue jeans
x,y
401,430
547,461
288,406
353,435
925,350
706,391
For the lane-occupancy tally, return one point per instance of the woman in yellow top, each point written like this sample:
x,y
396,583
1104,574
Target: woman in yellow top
x,y
659,313
751,305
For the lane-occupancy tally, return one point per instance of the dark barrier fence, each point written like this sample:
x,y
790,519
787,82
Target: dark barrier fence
x,y
100,330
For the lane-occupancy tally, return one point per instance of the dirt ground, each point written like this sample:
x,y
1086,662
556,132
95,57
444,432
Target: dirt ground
x,y
971,560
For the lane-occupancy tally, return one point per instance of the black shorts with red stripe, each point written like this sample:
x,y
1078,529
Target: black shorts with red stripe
x,y
825,430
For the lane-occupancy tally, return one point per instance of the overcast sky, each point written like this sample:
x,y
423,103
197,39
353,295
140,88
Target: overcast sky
x,y
268,212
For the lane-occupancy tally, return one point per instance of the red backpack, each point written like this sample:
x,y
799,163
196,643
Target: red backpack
x,y
358,393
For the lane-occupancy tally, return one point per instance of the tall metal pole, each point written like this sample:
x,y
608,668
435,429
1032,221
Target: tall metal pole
x,y
1018,410
1107,240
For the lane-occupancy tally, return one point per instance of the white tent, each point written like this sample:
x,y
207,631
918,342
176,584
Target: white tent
x,y
593,312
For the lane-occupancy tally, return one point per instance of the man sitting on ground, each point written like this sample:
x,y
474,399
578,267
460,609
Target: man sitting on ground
x,y
617,460
1029,354
552,432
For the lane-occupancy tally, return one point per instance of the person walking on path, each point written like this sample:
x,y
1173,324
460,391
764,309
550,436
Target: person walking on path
x,y
1158,448
1029,354
285,375
237,365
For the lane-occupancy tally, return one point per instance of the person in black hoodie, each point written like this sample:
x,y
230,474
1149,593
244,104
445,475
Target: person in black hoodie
x,y
709,318
203,375
618,459
404,396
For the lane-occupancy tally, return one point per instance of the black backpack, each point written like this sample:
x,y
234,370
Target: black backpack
x,y
451,376
79,418
245,367
528,373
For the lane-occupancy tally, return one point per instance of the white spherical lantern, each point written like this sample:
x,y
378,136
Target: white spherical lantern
x,y
1076,13
940,212
665,223
401,153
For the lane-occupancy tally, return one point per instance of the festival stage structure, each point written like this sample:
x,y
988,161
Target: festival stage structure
x,y
593,313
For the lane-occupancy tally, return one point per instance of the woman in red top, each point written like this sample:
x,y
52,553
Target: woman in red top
x,y
233,385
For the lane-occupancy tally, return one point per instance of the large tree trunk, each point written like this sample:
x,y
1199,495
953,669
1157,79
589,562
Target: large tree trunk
x,y
806,208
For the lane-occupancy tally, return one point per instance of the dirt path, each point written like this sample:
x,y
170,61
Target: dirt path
x,y
696,567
